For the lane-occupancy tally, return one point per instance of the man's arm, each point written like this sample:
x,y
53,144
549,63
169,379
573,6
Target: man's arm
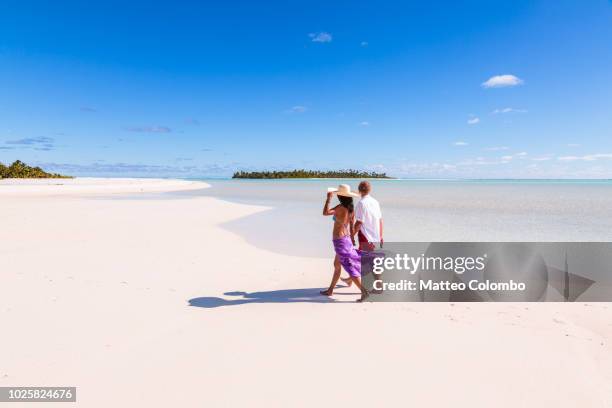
x,y
358,217
352,227
381,232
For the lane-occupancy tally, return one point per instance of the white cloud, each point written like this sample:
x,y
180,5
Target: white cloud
x,y
123,169
321,37
149,129
297,109
501,81
496,148
41,143
572,158
473,121
30,141
509,166
508,110
375,167
460,143
587,157
421,169
508,157
481,162
364,44
364,123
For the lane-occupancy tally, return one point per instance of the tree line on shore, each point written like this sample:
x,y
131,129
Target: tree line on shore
x,y
19,169
308,174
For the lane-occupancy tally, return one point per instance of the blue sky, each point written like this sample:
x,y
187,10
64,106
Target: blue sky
x,y
417,89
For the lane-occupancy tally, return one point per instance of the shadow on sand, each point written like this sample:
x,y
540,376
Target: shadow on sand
x,y
309,295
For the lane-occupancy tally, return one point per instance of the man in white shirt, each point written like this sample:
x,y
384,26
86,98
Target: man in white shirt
x,y
368,225
369,221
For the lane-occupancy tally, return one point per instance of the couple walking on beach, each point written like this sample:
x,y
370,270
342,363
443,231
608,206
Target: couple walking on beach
x,y
364,220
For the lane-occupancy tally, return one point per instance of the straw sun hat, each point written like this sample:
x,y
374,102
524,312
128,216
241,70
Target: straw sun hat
x,y
343,190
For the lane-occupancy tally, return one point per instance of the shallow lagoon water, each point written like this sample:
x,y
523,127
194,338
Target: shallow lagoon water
x,y
423,211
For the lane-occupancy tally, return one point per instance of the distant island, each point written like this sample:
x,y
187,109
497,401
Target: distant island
x,y
21,170
308,174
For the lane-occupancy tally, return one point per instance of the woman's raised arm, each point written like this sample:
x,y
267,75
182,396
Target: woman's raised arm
x,y
326,209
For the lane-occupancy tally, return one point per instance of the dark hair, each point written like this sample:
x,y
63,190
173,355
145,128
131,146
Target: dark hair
x,y
346,202
365,187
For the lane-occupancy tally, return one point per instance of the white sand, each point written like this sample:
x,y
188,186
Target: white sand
x,y
94,293
93,185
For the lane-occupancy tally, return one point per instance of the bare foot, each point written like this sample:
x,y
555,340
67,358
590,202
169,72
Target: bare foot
x,y
363,297
348,281
327,292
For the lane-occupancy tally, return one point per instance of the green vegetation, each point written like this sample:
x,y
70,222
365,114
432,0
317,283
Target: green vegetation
x,y
307,174
21,170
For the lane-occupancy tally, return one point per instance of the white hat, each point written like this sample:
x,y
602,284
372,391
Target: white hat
x,y
342,190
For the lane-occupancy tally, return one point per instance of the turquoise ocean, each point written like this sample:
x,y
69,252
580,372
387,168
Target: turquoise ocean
x,y
290,220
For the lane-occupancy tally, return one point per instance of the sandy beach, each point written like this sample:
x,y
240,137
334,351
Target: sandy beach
x,y
150,301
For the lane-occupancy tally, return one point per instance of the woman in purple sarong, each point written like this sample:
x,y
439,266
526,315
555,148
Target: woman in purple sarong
x,y
343,240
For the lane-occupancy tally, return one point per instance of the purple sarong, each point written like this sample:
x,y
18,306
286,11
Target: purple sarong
x,y
349,257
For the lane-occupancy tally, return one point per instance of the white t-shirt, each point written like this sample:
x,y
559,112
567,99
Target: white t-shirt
x,y
368,212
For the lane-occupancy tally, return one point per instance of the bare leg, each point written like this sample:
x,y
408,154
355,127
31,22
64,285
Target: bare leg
x,y
364,292
348,281
334,281
377,277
